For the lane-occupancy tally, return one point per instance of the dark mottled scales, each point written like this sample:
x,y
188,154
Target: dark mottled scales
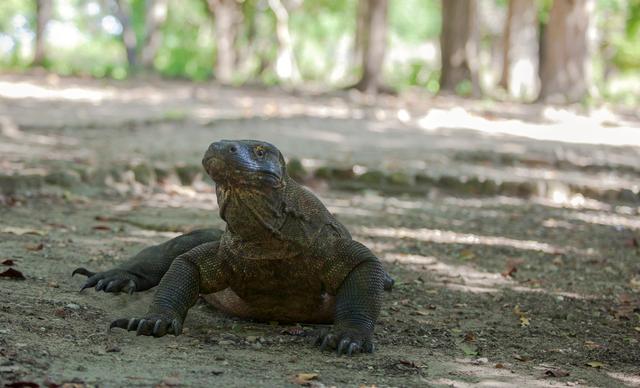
x,y
282,257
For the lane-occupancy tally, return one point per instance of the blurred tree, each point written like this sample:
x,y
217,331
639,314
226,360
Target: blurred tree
x,y
43,15
520,49
565,52
286,65
228,18
371,42
141,47
155,17
123,13
459,47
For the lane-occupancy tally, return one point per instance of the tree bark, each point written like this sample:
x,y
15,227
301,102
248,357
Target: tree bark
x,y
520,49
227,17
128,34
43,14
459,45
286,65
361,32
373,40
565,52
154,19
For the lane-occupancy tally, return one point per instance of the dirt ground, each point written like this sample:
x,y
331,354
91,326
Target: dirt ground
x,y
527,290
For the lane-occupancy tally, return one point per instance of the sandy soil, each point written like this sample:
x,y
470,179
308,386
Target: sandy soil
x,y
490,291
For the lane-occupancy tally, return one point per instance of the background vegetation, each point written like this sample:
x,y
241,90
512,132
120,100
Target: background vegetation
x,y
319,42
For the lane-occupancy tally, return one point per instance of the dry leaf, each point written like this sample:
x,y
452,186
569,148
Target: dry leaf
x,y
21,231
12,274
499,366
554,372
595,364
592,345
470,337
304,378
34,247
511,268
101,227
294,330
524,321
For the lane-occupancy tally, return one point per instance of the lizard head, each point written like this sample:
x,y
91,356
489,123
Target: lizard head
x,y
245,163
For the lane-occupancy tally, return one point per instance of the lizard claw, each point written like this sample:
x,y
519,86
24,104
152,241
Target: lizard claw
x,y
156,325
115,280
347,342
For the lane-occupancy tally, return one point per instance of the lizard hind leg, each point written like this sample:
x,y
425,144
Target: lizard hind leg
x,y
145,270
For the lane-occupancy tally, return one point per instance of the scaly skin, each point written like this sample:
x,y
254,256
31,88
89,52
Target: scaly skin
x,y
282,257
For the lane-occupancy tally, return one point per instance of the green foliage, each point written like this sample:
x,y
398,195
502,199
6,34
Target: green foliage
x,y
415,21
188,46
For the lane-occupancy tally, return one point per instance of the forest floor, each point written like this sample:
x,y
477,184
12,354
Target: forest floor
x,y
512,231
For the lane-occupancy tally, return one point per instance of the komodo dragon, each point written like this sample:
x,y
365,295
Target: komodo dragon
x,y
283,257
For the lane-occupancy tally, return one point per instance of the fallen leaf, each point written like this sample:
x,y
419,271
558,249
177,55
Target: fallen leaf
x,y
304,378
409,363
511,268
524,319
34,247
12,274
101,227
8,262
468,350
21,231
499,366
294,330
470,337
103,218
592,345
595,364
555,372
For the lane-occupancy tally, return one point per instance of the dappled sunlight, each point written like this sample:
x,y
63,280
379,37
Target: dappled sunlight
x,y
451,237
485,374
625,378
21,90
562,125
463,277
615,220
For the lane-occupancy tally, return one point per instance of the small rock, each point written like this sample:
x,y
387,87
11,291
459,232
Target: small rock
x,y
251,338
217,372
112,349
72,306
225,342
480,361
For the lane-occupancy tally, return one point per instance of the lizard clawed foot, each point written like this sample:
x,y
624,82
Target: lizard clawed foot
x,y
345,341
115,280
156,325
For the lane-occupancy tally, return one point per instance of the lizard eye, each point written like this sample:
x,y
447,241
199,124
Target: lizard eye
x,y
260,152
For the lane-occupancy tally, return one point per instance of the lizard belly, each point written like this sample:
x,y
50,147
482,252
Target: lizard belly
x,y
285,290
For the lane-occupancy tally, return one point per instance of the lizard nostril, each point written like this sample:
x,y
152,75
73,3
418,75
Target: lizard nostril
x,y
233,149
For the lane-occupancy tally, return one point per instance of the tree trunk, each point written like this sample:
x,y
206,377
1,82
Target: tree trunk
x,y
374,44
154,19
520,49
43,14
227,17
459,45
565,52
286,66
361,32
128,34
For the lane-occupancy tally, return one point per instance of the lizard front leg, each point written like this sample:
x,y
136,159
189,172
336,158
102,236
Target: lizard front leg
x,y
146,269
358,299
201,270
